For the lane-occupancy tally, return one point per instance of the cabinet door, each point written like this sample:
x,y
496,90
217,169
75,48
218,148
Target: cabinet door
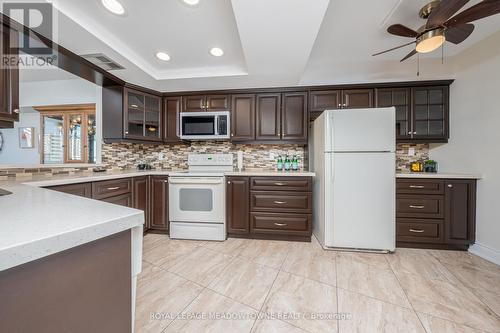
x,y
268,119
324,100
152,118
460,211
193,103
237,205
357,98
159,203
134,114
400,99
9,81
294,117
141,197
217,103
172,108
430,113
243,118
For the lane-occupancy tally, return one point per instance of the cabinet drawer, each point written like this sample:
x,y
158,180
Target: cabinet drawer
x,y
122,200
419,230
281,202
419,186
111,188
303,184
284,224
430,206
80,189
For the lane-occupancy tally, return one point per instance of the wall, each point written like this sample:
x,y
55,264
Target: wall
x,y
128,155
39,93
475,136
11,152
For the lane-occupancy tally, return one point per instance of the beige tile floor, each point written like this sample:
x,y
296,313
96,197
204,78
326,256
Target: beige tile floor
x,y
269,286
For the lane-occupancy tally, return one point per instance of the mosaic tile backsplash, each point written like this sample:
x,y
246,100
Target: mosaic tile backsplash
x,y
128,155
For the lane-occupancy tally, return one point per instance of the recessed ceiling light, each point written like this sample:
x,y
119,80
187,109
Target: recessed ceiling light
x,y
114,6
192,2
163,56
216,52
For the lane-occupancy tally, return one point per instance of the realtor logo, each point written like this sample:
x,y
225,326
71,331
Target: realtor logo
x,y
32,51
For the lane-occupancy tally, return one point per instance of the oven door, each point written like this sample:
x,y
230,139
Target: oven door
x,y
193,199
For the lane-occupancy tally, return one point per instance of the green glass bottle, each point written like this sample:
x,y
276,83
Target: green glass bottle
x,y
279,163
295,163
288,164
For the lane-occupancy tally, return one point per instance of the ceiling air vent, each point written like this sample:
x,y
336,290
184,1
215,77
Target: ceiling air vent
x,y
102,61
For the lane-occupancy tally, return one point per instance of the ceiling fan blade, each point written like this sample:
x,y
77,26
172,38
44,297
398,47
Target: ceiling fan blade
x,y
394,48
458,34
409,55
445,10
401,30
481,10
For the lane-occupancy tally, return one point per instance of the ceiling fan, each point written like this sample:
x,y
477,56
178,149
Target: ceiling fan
x,y
441,25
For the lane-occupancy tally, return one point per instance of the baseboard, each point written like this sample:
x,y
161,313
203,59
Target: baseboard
x,y
485,252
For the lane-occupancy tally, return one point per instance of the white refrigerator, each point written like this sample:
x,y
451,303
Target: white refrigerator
x,y
355,185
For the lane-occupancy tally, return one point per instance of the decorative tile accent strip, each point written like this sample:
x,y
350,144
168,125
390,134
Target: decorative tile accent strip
x,y
403,160
128,155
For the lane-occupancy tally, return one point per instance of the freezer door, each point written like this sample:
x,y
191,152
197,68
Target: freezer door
x,y
363,195
361,130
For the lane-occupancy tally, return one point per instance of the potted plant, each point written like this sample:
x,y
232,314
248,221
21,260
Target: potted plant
x,y
430,166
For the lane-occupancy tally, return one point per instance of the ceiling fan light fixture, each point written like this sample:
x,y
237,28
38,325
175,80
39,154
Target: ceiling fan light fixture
x,y
114,6
430,40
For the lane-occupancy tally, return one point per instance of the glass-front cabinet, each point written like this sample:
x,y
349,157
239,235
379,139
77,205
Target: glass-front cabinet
x,y
142,116
421,112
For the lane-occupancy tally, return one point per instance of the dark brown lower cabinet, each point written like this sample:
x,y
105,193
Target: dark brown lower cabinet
x,y
266,207
158,217
436,213
141,197
237,205
122,200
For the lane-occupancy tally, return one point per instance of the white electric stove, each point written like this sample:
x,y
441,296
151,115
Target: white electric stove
x,y
197,198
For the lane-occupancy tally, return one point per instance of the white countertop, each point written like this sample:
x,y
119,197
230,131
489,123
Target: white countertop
x,y
258,173
437,175
36,222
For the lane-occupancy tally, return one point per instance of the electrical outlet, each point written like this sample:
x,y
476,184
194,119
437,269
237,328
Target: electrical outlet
x,y
272,156
161,157
411,151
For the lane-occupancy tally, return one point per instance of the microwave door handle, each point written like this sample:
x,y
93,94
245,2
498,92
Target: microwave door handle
x,y
216,122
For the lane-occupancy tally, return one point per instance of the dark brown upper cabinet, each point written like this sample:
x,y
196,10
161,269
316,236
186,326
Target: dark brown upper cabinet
x,y
243,117
171,110
322,100
400,99
268,118
142,119
9,81
357,99
430,113
198,103
294,120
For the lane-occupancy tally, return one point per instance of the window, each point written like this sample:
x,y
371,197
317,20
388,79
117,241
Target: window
x,y
68,134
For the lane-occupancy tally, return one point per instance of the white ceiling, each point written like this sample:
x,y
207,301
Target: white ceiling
x,y
266,42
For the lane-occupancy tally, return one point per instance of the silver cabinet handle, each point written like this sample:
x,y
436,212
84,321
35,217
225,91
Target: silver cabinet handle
x,y
409,133
16,110
417,231
279,184
229,182
417,207
280,224
417,186
113,188
280,202
414,132
165,181
450,185
340,105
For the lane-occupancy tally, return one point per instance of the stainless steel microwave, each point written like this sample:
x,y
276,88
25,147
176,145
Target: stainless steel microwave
x,y
204,125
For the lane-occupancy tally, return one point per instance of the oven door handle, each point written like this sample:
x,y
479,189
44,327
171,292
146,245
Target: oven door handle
x,y
195,181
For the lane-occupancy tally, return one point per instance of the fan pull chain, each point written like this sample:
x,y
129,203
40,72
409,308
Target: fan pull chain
x,y
418,64
442,54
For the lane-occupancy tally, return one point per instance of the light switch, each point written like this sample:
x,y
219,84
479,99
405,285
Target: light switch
x,y
411,151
